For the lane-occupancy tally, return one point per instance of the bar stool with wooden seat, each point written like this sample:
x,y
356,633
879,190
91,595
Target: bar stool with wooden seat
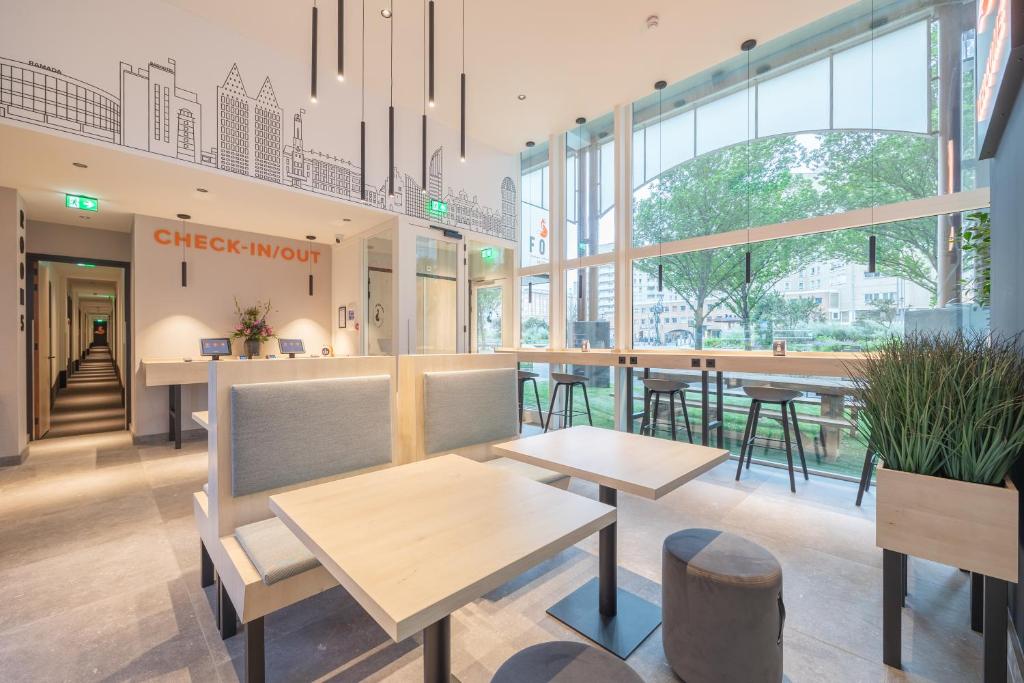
x,y
525,377
785,399
656,388
568,382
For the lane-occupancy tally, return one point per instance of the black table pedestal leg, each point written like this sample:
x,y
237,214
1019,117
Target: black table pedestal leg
x,y
977,601
607,554
629,399
437,651
995,630
892,599
705,403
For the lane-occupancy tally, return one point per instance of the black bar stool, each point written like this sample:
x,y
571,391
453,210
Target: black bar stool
x,y
525,377
656,388
567,383
784,398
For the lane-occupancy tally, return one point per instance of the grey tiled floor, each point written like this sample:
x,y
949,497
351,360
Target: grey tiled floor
x,y
99,569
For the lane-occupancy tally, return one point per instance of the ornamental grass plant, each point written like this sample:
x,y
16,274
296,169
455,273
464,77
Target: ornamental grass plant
x,y
945,405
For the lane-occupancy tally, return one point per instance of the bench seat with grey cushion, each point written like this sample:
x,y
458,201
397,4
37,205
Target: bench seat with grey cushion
x,y
274,550
470,407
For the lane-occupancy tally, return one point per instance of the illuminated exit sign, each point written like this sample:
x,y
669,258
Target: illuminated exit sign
x,y
435,207
77,201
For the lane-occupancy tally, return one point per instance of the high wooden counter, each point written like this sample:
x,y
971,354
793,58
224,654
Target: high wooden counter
x,y
812,363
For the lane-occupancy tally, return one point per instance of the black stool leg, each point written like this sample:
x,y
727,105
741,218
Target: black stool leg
x,y
645,423
586,401
865,475
570,406
654,413
672,412
743,444
522,382
799,442
686,415
753,432
789,447
536,395
551,407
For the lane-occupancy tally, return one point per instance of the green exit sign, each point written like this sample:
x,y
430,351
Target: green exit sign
x,y
435,207
487,253
81,202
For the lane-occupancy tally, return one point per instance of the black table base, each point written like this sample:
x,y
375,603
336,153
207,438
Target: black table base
x,y
437,652
615,619
174,414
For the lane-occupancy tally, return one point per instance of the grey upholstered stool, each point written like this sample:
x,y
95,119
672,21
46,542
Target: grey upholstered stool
x,y
564,662
785,399
722,611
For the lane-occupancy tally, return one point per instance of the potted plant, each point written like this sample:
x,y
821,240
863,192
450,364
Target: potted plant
x,y
253,327
946,417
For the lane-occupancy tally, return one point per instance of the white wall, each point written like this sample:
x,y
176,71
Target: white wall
x,y
169,319
74,241
13,389
347,290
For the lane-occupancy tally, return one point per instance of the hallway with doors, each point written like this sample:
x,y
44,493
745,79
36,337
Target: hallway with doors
x,y
92,402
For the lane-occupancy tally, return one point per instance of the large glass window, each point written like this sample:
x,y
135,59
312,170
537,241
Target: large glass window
x,y
535,311
590,188
590,307
536,221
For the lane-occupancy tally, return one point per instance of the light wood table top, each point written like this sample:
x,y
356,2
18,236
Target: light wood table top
x,y
416,542
203,418
641,465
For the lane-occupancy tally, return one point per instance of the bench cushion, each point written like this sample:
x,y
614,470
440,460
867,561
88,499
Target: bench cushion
x,y
525,469
469,407
564,662
285,433
274,550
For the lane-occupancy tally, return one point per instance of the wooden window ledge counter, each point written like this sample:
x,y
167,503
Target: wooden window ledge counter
x,y
810,363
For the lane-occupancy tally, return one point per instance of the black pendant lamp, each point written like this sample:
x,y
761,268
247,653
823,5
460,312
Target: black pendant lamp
x,y
529,292
423,160
341,40
309,259
462,90
748,275
391,105
184,264
362,110
660,86
872,254
312,61
430,56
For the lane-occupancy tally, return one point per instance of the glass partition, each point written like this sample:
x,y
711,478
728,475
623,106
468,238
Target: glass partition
x,y
436,277
535,311
536,221
590,307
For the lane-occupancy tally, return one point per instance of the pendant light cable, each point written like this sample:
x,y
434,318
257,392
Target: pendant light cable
x,y
391,106
660,87
341,40
362,108
748,275
312,65
462,90
423,161
872,239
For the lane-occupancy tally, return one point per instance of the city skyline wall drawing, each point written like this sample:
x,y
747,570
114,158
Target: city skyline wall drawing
x,y
255,136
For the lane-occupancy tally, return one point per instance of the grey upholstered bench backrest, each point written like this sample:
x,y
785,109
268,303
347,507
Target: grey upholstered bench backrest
x,y
285,433
469,407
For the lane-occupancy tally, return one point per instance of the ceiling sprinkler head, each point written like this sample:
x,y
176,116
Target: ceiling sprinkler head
x,y
652,22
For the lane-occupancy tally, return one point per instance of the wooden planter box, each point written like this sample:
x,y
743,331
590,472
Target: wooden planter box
x,y
969,526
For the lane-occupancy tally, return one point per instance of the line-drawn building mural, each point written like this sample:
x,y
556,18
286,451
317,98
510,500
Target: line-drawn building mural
x,y
152,113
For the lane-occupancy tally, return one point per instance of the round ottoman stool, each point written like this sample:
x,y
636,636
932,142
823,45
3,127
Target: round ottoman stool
x,y
564,662
722,611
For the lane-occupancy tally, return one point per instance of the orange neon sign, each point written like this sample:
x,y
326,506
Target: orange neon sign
x,y
224,245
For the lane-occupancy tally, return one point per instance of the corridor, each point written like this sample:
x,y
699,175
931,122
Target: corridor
x,y
92,401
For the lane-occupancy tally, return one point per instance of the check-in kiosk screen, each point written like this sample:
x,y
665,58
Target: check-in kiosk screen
x,y
215,347
291,346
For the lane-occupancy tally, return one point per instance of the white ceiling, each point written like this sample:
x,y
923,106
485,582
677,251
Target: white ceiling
x,y
569,57
39,165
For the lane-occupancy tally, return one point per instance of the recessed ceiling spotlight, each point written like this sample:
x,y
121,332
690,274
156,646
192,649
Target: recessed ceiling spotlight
x,y
202,190
86,218
520,97
652,22
530,143
79,164
580,120
310,237
184,216
386,13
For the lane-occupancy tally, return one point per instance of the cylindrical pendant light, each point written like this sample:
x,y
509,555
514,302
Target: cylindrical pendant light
x,y
529,292
748,275
184,263
462,90
362,109
341,40
423,160
430,56
660,86
309,259
312,61
872,253
391,106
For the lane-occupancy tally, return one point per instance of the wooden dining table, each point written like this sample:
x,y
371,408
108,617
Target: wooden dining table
x,y
414,543
616,461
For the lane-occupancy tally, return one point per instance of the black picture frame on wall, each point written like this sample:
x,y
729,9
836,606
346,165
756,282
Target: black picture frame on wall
x,y
342,317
